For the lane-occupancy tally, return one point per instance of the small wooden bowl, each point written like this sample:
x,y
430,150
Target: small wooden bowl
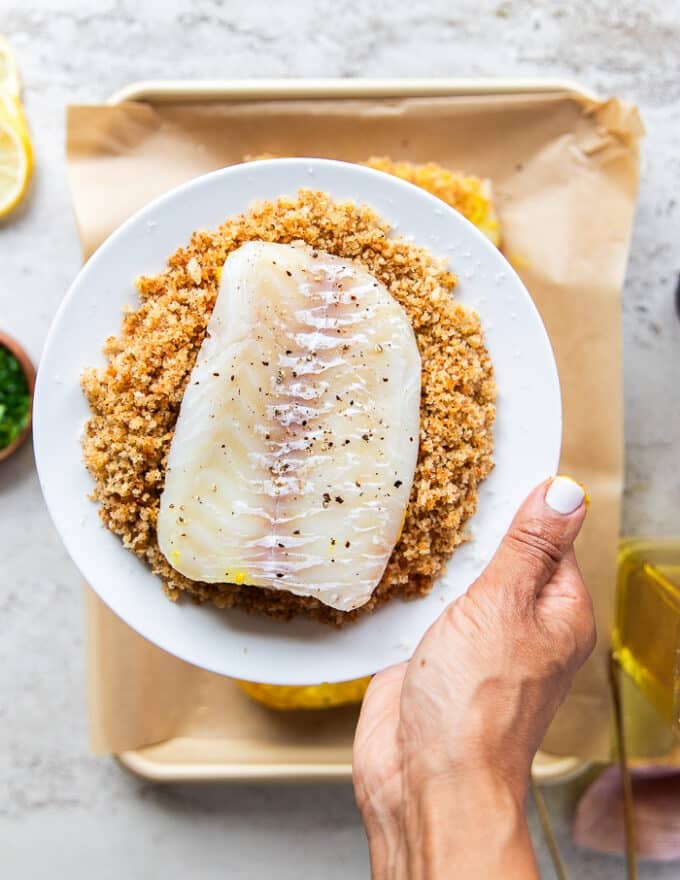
x,y
29,371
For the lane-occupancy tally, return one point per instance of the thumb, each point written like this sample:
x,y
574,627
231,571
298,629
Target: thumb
x,y
540,536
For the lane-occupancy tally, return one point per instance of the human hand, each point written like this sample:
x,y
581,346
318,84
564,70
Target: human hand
x,y
444,744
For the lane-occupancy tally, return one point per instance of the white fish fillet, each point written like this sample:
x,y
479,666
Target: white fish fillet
x,y
297,438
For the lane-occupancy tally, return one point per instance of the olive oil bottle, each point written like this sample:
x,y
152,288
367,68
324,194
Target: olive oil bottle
x,y
647,631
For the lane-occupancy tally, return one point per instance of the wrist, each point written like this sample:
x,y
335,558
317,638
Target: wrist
x,y
481,771
465,793
468,814
386,845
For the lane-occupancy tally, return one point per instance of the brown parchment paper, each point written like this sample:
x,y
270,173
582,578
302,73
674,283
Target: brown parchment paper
x,y
565,172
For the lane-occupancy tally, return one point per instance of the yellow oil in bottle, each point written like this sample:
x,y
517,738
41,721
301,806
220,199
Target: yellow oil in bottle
x,y
647,631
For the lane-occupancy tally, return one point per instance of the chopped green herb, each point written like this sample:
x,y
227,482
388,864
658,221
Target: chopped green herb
x,y
15,400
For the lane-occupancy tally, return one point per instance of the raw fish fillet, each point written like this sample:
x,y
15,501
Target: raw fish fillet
x,y
297,438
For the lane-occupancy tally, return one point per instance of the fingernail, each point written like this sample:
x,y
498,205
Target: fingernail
x,y
564,495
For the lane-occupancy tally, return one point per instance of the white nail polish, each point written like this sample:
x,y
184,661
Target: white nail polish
x,y
564,495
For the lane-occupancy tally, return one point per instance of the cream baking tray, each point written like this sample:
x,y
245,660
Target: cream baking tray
x,y
265,745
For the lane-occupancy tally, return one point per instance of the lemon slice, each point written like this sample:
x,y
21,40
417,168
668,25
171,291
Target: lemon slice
x,y
16,156
12,109
9,72
322,696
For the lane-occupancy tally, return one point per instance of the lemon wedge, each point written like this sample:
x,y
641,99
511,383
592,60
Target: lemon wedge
x,y
322,696
16,155
9,72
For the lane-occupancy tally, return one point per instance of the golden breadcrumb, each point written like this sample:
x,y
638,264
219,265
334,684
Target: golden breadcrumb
x,y
313,696
135,399
471,196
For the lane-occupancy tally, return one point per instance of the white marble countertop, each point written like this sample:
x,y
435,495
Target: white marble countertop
x,y
65,813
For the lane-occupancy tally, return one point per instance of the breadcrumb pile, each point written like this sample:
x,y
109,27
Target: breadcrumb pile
x,y
469,195
135,399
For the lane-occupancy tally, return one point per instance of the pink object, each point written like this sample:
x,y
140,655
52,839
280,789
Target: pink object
x,y
598,823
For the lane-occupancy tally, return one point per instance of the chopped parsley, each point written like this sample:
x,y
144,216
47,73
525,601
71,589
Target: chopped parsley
x,y
15,398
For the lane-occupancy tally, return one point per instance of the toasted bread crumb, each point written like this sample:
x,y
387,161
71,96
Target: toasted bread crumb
x,y
135,399
469,195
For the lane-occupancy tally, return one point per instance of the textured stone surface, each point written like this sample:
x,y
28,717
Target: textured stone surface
x,y
63,813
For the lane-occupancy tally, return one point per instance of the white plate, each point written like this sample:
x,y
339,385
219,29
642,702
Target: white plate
x,y
528,428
